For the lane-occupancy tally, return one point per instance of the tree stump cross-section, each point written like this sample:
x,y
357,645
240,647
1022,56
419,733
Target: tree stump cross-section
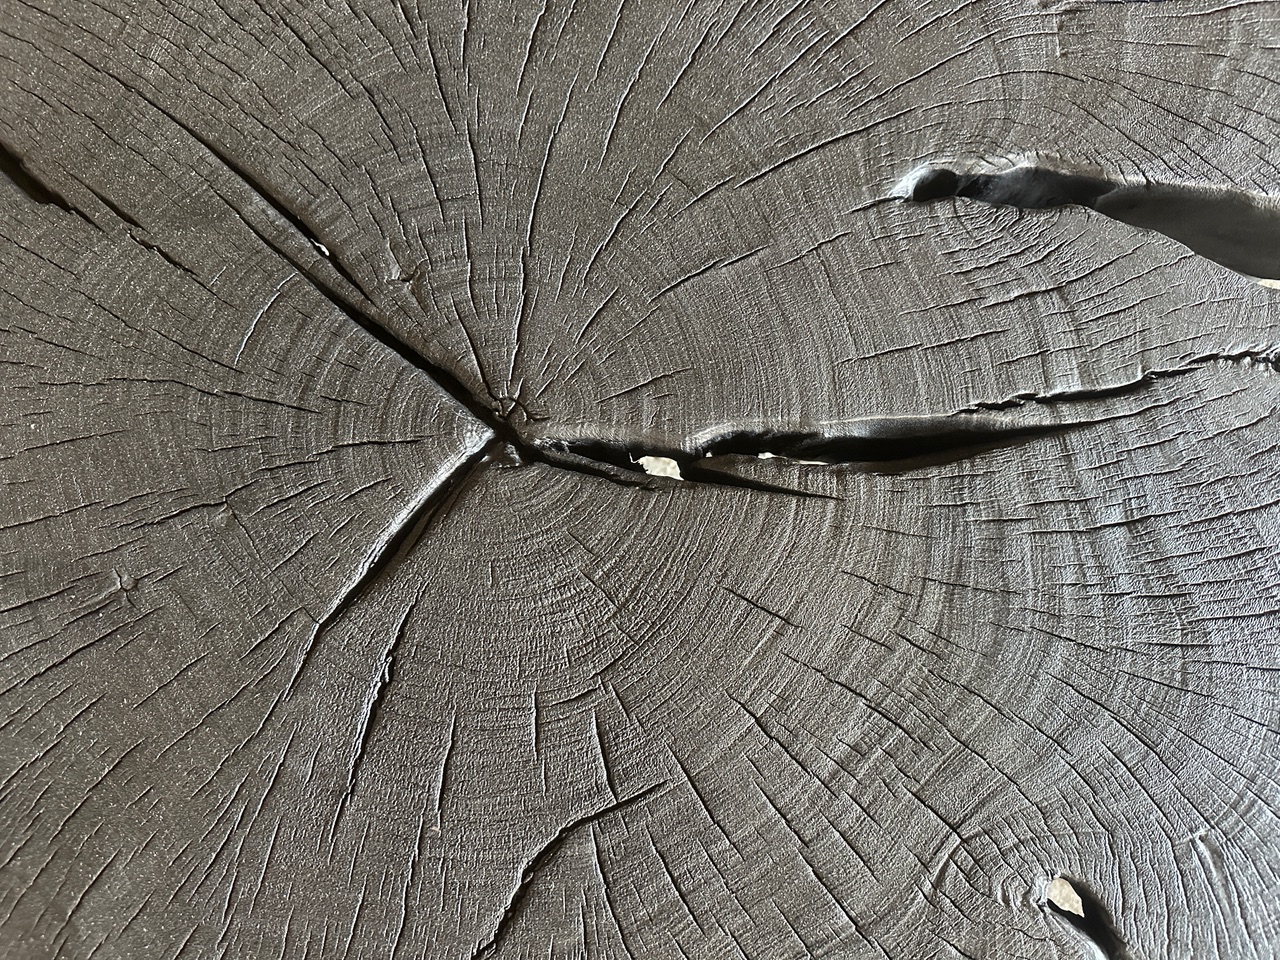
x,y
639,479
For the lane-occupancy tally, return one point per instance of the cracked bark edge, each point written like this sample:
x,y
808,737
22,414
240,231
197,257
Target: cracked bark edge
x,y
520,895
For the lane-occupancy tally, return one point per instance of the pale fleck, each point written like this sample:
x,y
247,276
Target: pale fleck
x,y
660,467
1063,896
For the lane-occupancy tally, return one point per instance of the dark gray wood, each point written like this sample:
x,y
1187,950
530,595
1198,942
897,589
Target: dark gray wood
x,y
341,617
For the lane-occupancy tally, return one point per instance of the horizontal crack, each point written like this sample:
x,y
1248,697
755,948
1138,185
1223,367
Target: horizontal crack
x,y
886,444
1235,228
871,441
1269,358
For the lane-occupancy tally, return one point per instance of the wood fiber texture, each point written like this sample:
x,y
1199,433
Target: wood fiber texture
x,y
337,618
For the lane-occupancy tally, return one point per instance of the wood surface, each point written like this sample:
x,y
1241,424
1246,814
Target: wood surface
x,y
341,617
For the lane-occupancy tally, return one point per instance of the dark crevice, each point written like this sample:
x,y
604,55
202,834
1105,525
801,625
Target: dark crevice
x,y
114,208
1235,228
563,458
1263,358
162,254
716,475
883,442
875,444
347,302
524,886
275,203
1073,901
15,170
388,555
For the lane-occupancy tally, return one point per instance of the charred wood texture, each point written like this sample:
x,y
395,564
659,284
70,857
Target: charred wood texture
x,y
639,480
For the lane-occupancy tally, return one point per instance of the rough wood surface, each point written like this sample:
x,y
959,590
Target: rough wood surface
x,y
340,615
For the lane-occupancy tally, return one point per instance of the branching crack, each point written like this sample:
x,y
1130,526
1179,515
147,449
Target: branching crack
x,y
881,444
524,886
1104,392
714,458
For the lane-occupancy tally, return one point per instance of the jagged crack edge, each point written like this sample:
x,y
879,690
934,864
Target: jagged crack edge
x,y
1097,926
15,169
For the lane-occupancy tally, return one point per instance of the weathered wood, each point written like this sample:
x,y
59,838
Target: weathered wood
x,y
340,617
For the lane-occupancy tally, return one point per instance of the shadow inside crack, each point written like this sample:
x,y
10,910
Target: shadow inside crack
x,y
1073,901
15,170
733,457
1235,228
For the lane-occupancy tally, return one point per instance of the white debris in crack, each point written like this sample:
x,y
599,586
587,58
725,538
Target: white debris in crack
x,y
779,456
660,467
1064,896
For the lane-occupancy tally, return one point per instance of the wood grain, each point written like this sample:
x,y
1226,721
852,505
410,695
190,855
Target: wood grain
x,y
339,616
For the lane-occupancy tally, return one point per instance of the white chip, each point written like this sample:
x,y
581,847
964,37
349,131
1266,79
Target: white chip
x,y
1063,896
660,467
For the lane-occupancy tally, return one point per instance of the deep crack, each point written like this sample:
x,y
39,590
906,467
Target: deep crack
x,y
1073,901
1235,228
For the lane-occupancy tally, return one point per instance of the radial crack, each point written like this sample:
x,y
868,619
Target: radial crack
x,y
372,711
540,859
871,441
346,302
1074,902
13,167
884,444
386,556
